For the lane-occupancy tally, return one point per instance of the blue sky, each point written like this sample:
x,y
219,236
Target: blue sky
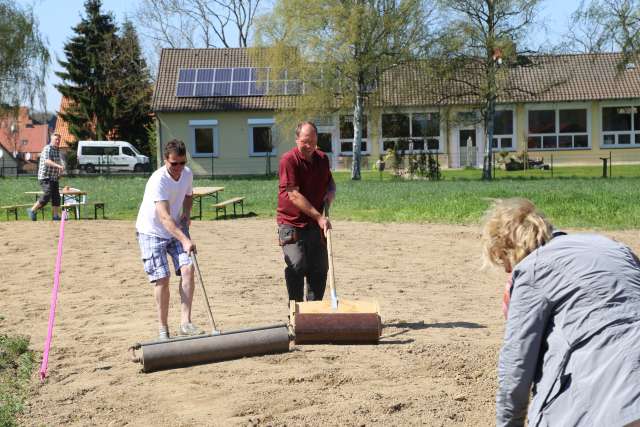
x,y
57,18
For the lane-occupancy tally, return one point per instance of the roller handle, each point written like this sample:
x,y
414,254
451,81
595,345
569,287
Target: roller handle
x,y
212,323
332,278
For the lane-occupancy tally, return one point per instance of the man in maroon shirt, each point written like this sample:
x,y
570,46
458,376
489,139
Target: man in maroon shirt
x,y
306,185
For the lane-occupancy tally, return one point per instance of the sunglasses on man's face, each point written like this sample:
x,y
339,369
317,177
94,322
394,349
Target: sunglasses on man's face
x,y
177,163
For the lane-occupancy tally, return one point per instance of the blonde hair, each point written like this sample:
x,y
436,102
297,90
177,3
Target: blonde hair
x,y
512,229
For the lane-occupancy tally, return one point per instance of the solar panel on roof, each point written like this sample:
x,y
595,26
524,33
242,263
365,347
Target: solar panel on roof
x,y
223,74
241,74
204,89
258,74
187,75
221,89
185,89
294,87
206,74
258,88
241,81
240,88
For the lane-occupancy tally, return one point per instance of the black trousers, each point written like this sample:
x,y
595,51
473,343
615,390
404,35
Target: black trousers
x,y
50,191
305,252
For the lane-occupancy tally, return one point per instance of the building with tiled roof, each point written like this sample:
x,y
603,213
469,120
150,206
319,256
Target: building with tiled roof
x,y
578,108
21,137
62,127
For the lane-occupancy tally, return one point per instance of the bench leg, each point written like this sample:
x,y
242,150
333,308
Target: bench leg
x,y
95,210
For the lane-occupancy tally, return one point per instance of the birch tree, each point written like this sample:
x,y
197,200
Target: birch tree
x,y
606,26
484,36
338,49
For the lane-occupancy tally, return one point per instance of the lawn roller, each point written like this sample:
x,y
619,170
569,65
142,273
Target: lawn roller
x,y
335,321
216,346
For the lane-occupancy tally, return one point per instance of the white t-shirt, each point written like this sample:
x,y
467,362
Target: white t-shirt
x,y
162,187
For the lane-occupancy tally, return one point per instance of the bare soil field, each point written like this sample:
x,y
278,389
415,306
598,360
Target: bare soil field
x,y
435,364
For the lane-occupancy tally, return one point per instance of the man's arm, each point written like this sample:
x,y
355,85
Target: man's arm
x,y
303,204
187,204
47,161
162,209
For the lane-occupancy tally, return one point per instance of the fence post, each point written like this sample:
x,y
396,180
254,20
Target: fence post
x,y
610,164
604,166
552,165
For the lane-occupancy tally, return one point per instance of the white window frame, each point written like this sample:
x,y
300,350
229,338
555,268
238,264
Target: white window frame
x,y
500,137
261,123
203,124
632,133
345,140
557,108
411,138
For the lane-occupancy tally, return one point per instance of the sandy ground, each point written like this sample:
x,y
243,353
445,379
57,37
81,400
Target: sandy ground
x,y
434,366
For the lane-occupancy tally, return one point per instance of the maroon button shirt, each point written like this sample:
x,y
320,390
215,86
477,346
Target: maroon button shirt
x,y
313,179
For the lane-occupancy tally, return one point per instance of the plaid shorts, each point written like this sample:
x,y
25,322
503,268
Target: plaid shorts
x,y
154,252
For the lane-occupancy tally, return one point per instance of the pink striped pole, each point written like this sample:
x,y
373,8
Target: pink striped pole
x,y
54,300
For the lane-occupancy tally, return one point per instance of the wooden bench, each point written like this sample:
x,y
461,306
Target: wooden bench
x,y
97,206
222,206
13,209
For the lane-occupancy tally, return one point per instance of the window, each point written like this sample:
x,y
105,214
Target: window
x,y
563,129
261,137
503,135
128,152
411,131
324,142
621,126
346,136
204,138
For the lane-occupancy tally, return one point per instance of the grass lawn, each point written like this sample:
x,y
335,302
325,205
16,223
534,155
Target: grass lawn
x,y
16,365
575,197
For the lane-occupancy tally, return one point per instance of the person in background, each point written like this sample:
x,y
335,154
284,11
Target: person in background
x,y
50,167
572,337
162,228
305,187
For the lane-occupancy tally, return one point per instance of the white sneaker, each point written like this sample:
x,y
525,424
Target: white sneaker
x,y
190,329
163,334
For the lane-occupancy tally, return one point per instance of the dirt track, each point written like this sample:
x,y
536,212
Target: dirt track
x,y
435,364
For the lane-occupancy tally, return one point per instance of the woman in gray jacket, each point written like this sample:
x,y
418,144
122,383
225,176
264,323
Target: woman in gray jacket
x,y
572,336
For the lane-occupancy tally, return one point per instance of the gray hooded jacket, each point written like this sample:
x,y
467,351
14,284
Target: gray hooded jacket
x,y
573,333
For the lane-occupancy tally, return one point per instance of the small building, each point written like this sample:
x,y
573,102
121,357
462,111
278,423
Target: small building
x,y
23,138
576,108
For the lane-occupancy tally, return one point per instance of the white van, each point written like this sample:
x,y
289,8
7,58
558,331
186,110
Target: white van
x,y
114,155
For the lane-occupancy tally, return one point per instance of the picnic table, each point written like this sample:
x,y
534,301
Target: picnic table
x,y
68,196
202,192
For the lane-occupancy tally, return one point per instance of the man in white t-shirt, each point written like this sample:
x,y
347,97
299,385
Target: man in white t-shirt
x,y
162,228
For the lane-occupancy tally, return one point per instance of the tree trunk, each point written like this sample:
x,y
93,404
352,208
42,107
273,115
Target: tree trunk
x,y
357,136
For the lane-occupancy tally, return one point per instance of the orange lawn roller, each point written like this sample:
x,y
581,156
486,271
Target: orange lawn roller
x,y
335,321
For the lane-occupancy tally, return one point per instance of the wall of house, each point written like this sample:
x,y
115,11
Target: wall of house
x,y
232,133
233,129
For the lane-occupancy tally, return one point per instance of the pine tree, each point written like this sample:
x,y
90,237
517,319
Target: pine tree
x,y
86,76
130,85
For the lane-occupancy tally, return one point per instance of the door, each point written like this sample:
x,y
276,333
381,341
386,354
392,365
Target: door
x,y
327,144
468,148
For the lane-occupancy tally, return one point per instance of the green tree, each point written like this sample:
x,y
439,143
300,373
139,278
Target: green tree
x,y
336,50
482,35
129,84
24,58
86,80
606,25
